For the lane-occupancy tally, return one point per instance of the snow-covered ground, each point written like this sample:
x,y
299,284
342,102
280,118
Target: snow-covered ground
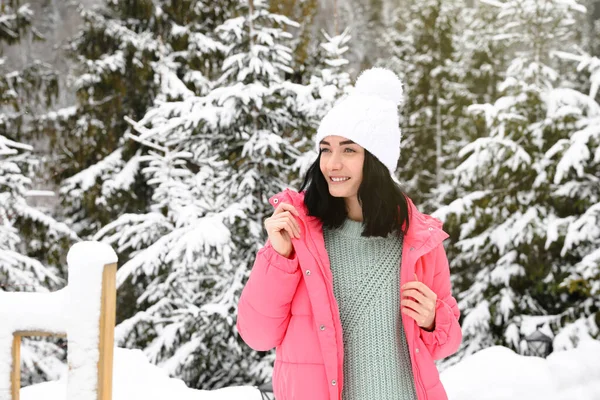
x,y
134,378
496,373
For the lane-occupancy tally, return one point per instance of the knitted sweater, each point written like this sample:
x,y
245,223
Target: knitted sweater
x,y
366,285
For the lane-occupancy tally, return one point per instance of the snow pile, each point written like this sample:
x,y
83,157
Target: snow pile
x,y
134,378
86,264
26,312
74,310
497,373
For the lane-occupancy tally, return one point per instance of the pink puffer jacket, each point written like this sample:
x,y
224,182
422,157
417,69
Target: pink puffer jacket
x,y
289,304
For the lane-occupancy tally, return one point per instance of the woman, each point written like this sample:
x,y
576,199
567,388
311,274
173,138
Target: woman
x,y
353,285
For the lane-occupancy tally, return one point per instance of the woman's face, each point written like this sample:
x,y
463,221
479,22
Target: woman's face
x,y
341,158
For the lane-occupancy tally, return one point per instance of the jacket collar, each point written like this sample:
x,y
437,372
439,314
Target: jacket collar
x,y
423,230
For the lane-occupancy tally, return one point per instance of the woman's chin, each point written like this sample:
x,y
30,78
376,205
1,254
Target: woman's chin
x,y
338,192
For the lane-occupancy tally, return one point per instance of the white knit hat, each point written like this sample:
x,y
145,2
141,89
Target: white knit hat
x,y
369,116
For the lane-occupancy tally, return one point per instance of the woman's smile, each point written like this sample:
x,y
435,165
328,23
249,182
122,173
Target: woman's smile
x,y
336,180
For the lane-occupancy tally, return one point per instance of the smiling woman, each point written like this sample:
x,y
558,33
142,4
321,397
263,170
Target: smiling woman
x,y
353,285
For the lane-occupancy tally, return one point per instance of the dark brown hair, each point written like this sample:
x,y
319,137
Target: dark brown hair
x,y
384,203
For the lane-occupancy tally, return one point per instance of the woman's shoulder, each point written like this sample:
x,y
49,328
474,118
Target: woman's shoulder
x,y
421,218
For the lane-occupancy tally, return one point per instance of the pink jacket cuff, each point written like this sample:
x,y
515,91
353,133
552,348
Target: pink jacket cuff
x,y
443,321
289,265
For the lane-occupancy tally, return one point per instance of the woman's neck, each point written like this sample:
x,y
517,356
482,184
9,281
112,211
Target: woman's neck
x,y
354,209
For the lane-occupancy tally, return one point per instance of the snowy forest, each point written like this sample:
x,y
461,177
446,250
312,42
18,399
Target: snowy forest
x,y
162,127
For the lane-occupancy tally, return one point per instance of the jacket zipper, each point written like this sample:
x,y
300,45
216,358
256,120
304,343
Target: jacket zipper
x,y
420,381
309,235
418,377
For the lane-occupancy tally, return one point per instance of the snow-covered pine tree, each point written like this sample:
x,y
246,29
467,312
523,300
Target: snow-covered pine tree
x,y
215,158
114,76
506,258
124,54
572,165
32,244
421,46
477,66
479,63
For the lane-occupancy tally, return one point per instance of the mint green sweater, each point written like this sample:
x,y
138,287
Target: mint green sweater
x,y
366,285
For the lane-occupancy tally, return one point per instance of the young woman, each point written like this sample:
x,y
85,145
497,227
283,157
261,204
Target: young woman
x,y
353,285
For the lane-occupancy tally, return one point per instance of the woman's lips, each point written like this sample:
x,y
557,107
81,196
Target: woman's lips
x,y
339,182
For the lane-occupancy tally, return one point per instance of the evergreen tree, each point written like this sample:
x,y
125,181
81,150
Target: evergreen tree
x,y
572,165
422,47
305,37
115,76
32,244
506,256
477,65
214,158
124,55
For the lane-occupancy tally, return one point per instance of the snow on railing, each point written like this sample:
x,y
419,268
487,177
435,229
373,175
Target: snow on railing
x,y
83,311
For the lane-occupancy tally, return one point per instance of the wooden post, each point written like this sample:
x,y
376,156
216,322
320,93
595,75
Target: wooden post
x,y
108,306
15,375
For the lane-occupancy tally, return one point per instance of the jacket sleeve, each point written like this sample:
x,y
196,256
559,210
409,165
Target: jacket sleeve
x,y
264,305
446,337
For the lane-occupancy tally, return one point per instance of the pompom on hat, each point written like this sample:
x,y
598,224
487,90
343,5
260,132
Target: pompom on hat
x,y
369,116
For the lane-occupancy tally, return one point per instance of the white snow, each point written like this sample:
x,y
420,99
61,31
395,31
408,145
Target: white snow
x,y
35,311
40,193
74,310
86,263
85,179
134,378
496,373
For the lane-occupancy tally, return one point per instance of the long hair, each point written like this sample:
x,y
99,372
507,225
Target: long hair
x,y
383,202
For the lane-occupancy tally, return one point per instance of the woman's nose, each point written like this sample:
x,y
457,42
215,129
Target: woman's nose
x,y
334,162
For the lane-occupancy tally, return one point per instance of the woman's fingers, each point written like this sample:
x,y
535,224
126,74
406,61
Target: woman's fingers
x,y
420,297
286,226
284,212
415,315
286,207
414,306
421,287
287,216
292,228
283,224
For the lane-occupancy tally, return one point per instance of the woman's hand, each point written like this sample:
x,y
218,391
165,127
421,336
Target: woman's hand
x,y
282,227
418,302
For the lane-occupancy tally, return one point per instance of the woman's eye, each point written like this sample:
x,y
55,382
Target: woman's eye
x,y
348,150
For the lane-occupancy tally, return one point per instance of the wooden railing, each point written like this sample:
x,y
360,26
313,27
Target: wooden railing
x,y
70,301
